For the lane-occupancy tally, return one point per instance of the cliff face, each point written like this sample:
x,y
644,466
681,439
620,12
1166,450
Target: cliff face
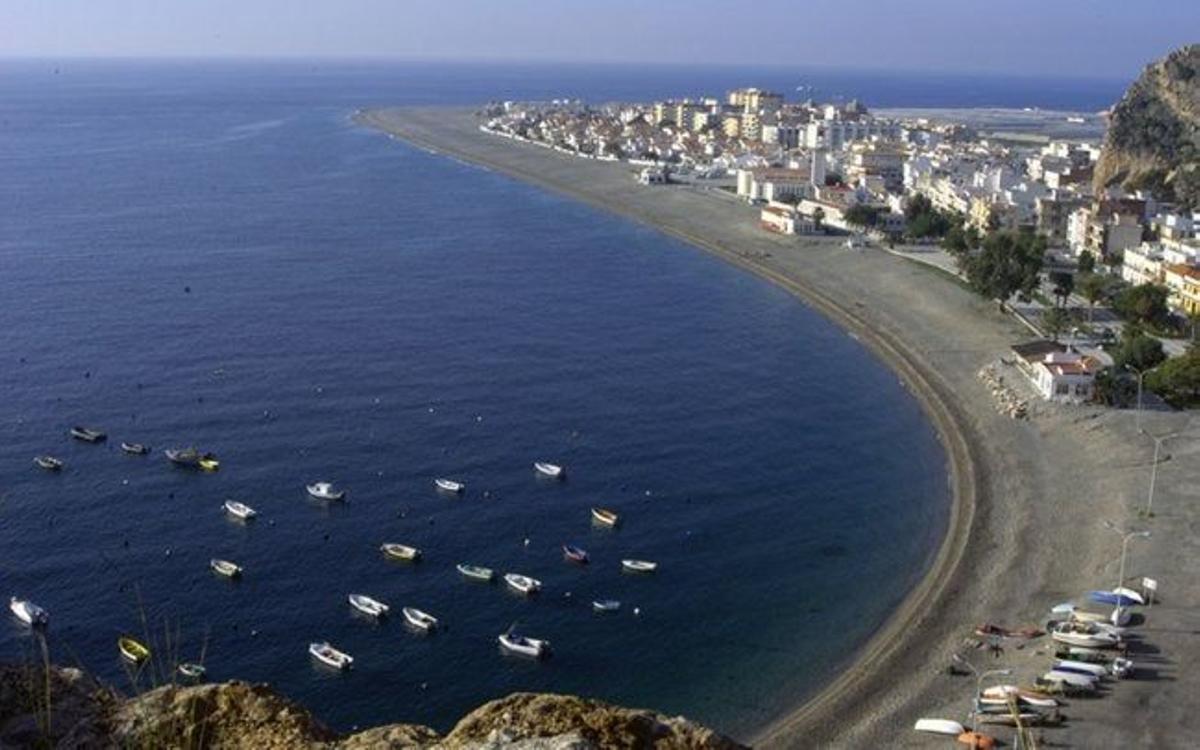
x,y
84,714
1153,138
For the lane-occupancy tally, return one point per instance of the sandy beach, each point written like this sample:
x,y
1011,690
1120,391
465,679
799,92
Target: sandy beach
x,y
1030,497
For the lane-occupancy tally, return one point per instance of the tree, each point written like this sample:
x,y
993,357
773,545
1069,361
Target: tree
x,y
862,216
1007,263
818,218
1055,321
1144,303
959,240
1193,317
1094,288
1138,352
1064,284
1087,262
1178,380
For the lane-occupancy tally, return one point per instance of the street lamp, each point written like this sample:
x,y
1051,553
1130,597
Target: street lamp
x,y
1158,441
979,678
1125,537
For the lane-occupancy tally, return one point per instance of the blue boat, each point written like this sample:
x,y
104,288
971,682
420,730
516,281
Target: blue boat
x,y
1108,597
575,554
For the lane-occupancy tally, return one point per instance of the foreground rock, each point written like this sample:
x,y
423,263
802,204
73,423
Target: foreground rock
x,y
1153,139
236,715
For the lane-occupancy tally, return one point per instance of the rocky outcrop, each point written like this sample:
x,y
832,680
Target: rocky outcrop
x,y
64,708
1153,138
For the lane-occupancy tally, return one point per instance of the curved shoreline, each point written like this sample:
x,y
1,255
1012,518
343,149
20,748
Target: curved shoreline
x,y
935,400
1024,527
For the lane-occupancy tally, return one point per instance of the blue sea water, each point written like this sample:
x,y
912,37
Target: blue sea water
x,y
213,254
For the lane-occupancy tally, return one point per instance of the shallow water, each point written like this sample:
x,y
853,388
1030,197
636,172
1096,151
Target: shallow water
x,y
225,260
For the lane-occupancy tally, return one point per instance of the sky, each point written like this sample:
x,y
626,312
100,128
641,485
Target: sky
x,y
1085,38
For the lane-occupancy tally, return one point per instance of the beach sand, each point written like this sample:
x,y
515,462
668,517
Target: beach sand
x,y
1026,528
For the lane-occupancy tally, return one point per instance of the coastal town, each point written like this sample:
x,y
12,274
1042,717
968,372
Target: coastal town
x,y
1111,288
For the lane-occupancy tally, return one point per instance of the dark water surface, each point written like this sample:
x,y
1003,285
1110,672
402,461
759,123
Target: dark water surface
x,y
216,256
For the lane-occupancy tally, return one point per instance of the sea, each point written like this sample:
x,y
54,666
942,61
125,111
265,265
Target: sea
x,y
213,254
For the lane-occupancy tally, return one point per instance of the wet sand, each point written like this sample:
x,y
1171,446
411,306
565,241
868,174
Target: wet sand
x,y
1030,497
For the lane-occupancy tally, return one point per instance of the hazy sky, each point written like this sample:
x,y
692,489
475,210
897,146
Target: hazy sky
x,y
1100,38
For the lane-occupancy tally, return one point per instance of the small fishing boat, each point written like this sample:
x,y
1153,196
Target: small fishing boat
x,y
638,566
1069,611
606,605
574,554
330,656
523,584
132,649
368,606
1087,634
1031,697
29,613
49,463
1080,667
189,457
605,517
400,552
191,670
450,486
87,435
325,491
476,572
208,462
939,726
225,568
1010,719
239,510
1074,679
553,471
1119,597
420,620
135,449
520,645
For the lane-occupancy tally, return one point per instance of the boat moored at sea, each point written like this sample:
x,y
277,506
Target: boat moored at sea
x,y
605,517
522,584
29,613
548,470
449,486
225,568
476,572
330,656
135,449
606,605
638,566
49,463
88,435
239,510
192,458
574,554
132,650
395,551
420,620
368,606
533,648
325,491
191,670
208,462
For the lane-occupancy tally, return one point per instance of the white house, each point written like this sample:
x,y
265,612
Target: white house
x,y
1057,372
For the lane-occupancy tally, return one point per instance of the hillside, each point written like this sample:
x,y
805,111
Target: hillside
x,y
1153,138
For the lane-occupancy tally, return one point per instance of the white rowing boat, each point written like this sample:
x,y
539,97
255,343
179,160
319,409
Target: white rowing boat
x,y
449,485
400,551
325,491
476,572
605,517
1030,697
420,620
367,605
939,726
606,605
239,510
553,471
328,655
523,584
28,612
520,645
225,567
638,566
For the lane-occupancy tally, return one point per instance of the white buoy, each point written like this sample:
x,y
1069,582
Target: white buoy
x,y
637,610
526,541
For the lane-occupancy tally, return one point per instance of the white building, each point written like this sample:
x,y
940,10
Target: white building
x,y
1057,372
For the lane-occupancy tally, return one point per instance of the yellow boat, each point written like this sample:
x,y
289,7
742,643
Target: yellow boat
x,y
209,462
133,650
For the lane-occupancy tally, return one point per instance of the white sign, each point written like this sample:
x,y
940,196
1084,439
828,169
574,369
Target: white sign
x,y
1150,584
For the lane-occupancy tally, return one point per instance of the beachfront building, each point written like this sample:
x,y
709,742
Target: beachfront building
x,y
784,219
1057,372
774,184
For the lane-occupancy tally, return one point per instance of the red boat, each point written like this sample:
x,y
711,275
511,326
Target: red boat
x,y
575,554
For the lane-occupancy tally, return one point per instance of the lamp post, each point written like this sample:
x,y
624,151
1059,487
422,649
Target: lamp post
x,y
1125,537
979,678
1158,441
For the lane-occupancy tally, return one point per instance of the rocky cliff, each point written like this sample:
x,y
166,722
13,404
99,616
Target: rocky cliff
x,y
65,708
1153,138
